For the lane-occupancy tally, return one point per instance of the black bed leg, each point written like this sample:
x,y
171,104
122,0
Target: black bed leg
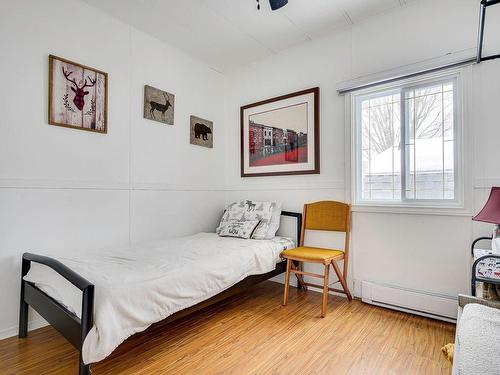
x,y
83,368
86,324
23,316
23,306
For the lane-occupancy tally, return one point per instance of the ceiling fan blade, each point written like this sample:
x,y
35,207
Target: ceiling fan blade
x,y
276,4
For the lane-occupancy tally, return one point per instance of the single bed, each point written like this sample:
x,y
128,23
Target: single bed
x,y
98,299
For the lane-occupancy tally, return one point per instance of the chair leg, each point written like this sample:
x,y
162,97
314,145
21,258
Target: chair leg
x,y
342,280
301,283
287,280
325,290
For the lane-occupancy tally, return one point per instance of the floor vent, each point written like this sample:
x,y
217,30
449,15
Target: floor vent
x,y
431,305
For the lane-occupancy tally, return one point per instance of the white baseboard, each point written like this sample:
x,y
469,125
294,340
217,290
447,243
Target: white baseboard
x,y
427,304
13,331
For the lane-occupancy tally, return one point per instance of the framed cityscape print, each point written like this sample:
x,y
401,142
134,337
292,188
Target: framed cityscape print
x,y
78,96
280,136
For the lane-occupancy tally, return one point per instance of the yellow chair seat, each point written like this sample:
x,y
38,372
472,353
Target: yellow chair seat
x,y
311,253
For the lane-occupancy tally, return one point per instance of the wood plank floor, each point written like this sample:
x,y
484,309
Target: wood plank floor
x,y
252,334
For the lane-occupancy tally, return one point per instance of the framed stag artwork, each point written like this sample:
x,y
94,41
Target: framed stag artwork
x,y
158,105
78,96
201,132
280,136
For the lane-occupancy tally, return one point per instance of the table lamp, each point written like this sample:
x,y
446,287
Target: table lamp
x,y
491,214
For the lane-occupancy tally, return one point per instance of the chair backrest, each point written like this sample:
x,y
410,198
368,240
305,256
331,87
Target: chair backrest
x,y
327,215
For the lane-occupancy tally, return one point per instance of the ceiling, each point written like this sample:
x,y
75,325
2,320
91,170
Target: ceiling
x,y
229,33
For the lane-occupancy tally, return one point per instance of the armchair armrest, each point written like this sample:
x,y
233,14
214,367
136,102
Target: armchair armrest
x,y
464,300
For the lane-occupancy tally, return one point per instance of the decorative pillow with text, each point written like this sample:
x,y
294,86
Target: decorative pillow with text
x,y
237,228
249,210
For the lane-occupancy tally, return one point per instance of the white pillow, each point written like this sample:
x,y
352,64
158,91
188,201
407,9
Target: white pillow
x,y
238,228
249,210
275,220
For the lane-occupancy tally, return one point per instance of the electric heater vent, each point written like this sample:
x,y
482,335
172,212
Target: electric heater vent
x,y
417,302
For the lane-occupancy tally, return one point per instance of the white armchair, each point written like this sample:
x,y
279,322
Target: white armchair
x,y
477,344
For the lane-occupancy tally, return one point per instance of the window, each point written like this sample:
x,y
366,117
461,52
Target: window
x,y
405,143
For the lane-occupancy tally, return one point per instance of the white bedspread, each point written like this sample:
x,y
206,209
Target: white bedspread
x,y
138,286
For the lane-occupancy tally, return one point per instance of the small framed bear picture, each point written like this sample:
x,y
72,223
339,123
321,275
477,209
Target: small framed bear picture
x,y
201,132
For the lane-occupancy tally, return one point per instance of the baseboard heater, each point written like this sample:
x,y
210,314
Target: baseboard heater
x,y
431,305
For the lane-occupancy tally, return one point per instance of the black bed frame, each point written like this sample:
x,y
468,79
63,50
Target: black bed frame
x,y
474,278
75,329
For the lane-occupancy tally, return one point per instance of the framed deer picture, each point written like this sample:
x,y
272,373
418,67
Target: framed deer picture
x,y
78,96
158,105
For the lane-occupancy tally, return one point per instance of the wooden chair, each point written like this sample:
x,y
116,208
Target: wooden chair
x,y
328,216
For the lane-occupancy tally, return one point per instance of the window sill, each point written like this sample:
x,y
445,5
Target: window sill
x,y
411,209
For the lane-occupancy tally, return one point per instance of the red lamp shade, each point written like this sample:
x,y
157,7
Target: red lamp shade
x,y
491,210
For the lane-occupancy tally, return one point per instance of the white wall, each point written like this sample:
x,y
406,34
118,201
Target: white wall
x,y
65,188
427,253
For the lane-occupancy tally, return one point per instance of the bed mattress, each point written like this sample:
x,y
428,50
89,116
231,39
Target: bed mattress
x,y
139,285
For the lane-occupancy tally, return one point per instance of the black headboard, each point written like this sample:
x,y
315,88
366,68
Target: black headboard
x,y
298,216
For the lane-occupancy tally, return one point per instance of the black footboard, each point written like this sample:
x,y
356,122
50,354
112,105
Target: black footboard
x,y
74,329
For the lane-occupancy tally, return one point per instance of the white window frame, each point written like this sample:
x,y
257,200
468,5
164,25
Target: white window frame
x,y
460,204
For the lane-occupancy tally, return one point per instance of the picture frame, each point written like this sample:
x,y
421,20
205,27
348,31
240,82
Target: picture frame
x,y
78,96
159,105
281,135
201,132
